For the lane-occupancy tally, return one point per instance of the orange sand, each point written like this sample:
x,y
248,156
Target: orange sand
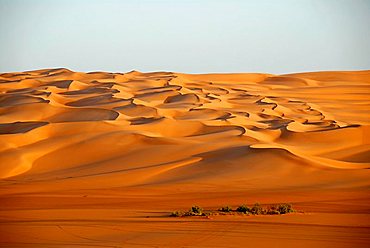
x,y
100,159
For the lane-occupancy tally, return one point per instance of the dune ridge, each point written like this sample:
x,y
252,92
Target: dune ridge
x,y
167,135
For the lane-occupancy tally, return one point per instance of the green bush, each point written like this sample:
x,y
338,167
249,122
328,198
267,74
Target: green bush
x,y
196,210
256,209
243,209
284,208
226,209
177,214
272,211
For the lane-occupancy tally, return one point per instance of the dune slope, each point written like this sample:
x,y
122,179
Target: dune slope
x,y
99,159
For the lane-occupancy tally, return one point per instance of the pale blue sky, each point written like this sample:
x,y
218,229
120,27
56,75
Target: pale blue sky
x,y
185,36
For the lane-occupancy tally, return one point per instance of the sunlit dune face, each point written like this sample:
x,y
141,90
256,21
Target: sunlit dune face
x,y
197,113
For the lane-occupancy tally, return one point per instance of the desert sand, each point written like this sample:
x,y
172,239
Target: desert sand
x,y
100,159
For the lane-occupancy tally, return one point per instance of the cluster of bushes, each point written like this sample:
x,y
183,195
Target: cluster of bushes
x,y
193,211
256,209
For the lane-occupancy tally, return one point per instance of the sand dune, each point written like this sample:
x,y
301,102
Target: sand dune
x,y
87,157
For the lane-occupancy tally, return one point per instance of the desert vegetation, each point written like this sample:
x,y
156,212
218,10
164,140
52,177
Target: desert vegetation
x,y
256,209
226,209
193,211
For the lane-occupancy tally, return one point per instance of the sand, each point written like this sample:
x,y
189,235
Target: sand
x,y
100,159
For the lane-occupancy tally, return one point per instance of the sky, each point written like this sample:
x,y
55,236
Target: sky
x,y
272,36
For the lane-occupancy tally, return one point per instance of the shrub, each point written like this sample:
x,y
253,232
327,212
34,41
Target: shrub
x,y
272,211
284,208
243,209
226,209
256,209
177,214
206,214
196,210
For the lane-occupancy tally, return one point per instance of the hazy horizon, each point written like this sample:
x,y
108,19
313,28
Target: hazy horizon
x,y
185,36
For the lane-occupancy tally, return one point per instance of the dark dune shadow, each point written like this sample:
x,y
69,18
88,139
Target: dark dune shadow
x,y
143,120
12,100
20,127
95,100
89,91
182,98
77,115
63,84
